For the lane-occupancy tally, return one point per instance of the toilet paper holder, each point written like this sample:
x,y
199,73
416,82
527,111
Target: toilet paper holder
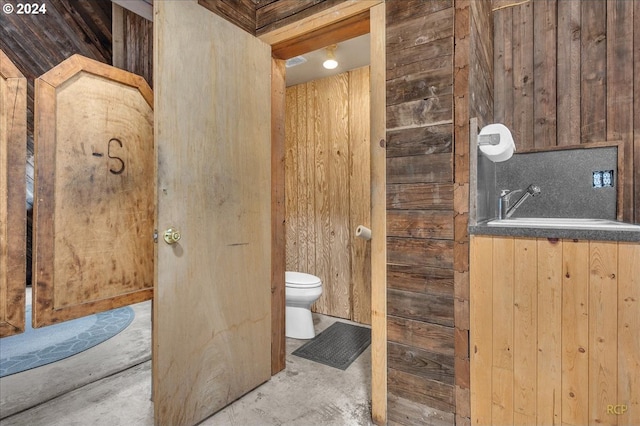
x,y
496,142
490,139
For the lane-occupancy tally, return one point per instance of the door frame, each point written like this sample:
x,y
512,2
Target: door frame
x,y
311,33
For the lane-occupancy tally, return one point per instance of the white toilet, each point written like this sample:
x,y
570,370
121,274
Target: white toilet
x,y
300,292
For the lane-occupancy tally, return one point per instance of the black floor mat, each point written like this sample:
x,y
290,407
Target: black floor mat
x,y
337,346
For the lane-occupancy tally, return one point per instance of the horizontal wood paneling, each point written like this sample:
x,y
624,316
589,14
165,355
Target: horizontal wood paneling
x,y
431,393
240,12
273,15
420,216
420,168
420,224
435,309
413,251
405,412
420,279
420,141
427,196
555,345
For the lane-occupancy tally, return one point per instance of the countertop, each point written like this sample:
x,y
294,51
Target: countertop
x,y
573,234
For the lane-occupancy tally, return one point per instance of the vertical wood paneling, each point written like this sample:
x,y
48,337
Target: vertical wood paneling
x,y
335,104
481,312
278,216
575,333
582,335
544,73
568,72
360,193
628,336
549,331
523,75
503,67
584,79
525,331
306,189
502,371
327,173
593,71
636,110
619,113
292,206
603,331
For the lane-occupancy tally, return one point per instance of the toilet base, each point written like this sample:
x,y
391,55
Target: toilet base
x,y
299,323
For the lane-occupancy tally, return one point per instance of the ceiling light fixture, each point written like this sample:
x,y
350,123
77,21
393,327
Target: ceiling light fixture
x,y
330,63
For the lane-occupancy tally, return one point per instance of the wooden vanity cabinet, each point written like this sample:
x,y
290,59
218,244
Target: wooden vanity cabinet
x,y
555,331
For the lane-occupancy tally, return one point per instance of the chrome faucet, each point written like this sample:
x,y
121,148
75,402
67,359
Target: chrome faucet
x,y
505,210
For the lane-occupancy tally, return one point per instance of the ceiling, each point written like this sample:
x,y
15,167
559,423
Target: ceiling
x,y
350,54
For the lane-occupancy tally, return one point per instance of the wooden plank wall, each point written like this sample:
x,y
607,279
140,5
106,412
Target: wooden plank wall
x,y
566,73
420,211
473,97
327,189
553,339
132,43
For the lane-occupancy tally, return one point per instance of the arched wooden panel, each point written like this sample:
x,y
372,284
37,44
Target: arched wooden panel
x,y
95,190
13,146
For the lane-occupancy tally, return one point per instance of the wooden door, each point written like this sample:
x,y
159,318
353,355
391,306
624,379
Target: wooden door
x,y
212,306
13,149
94,190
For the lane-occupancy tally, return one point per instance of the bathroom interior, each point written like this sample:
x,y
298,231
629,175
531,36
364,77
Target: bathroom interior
x,y
561,76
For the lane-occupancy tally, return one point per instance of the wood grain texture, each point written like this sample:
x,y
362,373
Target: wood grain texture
x,y
481,337
619,100
342,30
636,112
420,224
94,211
584,58
328,189
241,13
378,218
523,105
403,411
420,141
278,218
575,333
503,335
13,147
211,171
549,375
603,330
544,72
574,304
628,339
525,331
424,391
360,192
593,63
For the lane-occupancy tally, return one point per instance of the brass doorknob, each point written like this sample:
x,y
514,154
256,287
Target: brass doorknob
x,y
172,236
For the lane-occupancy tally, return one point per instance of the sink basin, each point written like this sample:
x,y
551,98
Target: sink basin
x,y
565,223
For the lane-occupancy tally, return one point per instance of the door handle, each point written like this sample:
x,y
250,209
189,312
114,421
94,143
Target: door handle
x,y
172,236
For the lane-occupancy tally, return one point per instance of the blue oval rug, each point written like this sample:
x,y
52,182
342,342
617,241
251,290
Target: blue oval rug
x,y
41,346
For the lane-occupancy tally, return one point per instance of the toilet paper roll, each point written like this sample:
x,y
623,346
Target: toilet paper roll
x,y
505,149
363,232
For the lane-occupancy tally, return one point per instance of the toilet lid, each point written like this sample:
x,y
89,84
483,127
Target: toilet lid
x,y
301,280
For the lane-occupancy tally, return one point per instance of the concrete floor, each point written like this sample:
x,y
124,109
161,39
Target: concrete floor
x,y
305,393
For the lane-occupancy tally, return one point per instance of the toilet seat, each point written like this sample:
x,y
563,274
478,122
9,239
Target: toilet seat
x,y
301,280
